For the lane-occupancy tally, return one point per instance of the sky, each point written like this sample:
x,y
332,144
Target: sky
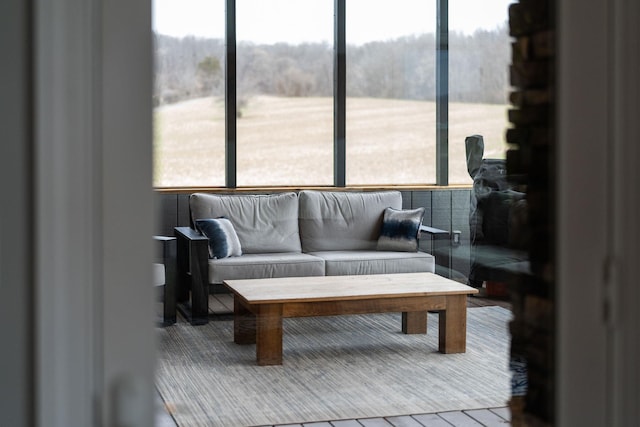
x,y
272,21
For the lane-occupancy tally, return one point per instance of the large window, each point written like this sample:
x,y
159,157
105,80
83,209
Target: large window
x,y
322,92
189,118
390,105
479,54
284,92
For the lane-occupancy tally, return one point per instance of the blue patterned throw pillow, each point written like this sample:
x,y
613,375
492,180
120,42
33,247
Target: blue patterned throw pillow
x,y
400,230
223,240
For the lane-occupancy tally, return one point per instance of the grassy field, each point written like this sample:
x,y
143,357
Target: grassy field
x,y
289,141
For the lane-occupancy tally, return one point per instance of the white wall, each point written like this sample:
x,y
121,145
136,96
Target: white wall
x,y
127,212
16,219
624,292
597,340
75,255
583,211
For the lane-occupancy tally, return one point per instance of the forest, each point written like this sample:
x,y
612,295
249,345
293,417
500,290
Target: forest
x,y
402,68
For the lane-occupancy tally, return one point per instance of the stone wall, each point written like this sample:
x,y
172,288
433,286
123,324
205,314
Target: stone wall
x,y
530,162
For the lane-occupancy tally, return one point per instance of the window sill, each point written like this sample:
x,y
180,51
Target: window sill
x,y
275,189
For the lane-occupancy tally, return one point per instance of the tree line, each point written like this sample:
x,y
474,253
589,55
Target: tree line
x,y
402,68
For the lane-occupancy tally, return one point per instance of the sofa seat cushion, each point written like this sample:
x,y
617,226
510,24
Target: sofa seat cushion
x,y
343,220
260,266
339,263
263,222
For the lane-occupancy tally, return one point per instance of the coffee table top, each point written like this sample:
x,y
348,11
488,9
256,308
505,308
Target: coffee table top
x,y
337,288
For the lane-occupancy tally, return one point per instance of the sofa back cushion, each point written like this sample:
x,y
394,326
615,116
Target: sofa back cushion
x,y
343,220
263,223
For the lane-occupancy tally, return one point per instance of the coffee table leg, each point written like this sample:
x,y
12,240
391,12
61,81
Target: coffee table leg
x,y
414,322
452,337
269,335
244,324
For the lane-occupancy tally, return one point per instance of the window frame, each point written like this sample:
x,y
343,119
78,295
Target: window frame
x,y
339,114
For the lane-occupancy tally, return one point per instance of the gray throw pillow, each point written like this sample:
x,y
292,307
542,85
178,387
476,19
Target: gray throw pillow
x,y
223,240
400,230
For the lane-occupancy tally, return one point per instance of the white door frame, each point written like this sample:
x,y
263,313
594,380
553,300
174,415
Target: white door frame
x,y
597,213
623,292
93,213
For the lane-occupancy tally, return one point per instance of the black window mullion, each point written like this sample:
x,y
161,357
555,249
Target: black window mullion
x,y
339,114
339,95
230,96
442,93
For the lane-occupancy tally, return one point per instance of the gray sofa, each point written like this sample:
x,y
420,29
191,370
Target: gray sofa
x,y
310,233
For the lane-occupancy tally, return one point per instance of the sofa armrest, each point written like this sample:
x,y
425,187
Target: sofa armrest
x,y
439,234
189,234
193,274
167,246
443,242
435,233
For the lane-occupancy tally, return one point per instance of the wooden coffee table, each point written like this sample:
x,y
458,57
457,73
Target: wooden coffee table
x,y
261,304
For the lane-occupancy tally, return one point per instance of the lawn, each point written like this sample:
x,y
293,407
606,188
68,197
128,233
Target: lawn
x,y
289,141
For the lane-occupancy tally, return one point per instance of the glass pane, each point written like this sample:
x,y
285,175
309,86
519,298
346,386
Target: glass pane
x,y
390,120
479,57
188,112
285,89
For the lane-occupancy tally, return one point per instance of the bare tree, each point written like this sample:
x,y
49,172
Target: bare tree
x,y
403,68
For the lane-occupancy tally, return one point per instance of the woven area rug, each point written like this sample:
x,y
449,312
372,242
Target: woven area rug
x,y
334,368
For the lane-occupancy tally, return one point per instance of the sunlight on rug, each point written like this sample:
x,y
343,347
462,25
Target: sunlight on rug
x,y
334,368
